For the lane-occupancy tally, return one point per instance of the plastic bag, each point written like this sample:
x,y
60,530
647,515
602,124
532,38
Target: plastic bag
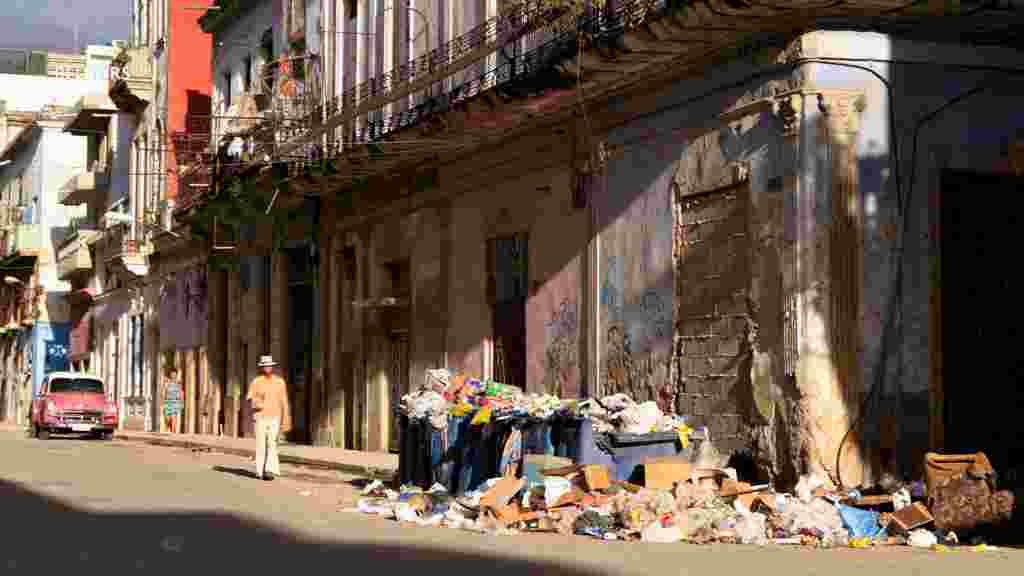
x,y
482,417
750,529
806,486
640,419
922,539
819,517
554,488
901,499
659,534
860,523
708,456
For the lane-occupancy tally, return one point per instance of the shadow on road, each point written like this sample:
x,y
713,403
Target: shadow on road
x,y
243,472
46,535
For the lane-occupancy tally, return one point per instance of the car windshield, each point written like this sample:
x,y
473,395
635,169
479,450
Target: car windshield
x,y
76,385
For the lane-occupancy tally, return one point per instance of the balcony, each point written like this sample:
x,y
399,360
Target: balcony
x,y
26,240
81,188
92,115
131,79
21,246
74,258
124,252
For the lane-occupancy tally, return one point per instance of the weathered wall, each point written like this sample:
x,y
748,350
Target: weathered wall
x,y
633,212
686,189
970,135
540,205
555,321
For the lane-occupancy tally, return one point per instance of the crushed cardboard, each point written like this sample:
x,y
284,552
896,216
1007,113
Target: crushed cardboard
x,y
912,517
663,473
502,492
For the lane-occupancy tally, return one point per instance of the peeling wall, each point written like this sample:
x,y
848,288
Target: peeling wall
x,y
973,134
690,219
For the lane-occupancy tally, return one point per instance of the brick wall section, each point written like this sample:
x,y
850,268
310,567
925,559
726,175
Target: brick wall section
x,y
712,279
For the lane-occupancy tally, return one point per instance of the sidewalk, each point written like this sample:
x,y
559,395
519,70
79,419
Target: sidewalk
x,y
377,465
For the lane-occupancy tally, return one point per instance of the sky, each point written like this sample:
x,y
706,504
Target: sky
x,y
51,23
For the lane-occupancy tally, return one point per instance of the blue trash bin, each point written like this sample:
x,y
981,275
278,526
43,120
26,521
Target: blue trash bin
x,y
624,454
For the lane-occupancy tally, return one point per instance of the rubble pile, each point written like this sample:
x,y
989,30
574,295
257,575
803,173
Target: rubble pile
x,y
450,393
687,497
703,504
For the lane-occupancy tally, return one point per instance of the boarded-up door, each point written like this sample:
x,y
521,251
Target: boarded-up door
x,y
713,276
398,378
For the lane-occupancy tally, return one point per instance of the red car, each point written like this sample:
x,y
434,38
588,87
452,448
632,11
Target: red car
x,y
73,403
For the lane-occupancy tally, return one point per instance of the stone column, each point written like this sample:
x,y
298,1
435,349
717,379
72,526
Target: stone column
x,y
823,281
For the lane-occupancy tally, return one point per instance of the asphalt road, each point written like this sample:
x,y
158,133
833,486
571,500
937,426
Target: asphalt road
x,y
116,508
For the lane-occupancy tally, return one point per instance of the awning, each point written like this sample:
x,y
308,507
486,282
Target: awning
x,y
20,139
18,264
92,115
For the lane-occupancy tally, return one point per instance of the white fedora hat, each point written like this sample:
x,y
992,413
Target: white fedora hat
x,y
266,360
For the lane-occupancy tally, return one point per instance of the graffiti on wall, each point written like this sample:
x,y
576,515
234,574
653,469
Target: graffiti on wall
x,y
636,288
561,340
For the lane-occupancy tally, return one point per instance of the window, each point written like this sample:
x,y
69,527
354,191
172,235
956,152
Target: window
x,y
57,385
227,90
247,74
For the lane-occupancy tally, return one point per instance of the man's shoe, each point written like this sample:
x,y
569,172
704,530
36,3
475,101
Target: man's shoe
x,y
268,476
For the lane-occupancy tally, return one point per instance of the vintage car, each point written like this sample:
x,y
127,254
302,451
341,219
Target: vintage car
x,y
73,403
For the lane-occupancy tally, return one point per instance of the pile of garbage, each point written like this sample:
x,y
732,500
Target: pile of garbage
x,y
682,500
450,393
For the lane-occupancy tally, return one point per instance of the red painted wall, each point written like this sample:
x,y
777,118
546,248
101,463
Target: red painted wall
x,y
189,81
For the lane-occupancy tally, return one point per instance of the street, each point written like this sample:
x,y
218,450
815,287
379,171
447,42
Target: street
x,y
77,505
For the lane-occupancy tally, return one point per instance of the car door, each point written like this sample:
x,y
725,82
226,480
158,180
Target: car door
x,y
39,402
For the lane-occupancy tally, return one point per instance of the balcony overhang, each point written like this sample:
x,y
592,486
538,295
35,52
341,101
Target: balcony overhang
x,y
74,258
92,115
25,249
648,39
20,139
81,188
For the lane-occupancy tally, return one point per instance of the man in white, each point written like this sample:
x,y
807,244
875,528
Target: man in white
x,y
268,394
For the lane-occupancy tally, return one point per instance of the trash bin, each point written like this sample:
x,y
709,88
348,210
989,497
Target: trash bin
x,y
624,454
417,444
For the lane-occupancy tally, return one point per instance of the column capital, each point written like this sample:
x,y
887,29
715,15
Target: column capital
x,y
842,108
788,107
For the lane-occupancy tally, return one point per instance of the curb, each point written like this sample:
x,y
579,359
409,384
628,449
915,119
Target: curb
x,y
383,474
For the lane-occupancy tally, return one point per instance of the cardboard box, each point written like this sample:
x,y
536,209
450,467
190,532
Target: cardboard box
x,y
731,487
912,517
663,473
595,477
502,493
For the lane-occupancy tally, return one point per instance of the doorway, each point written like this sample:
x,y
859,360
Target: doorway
x,y
396,324
980,320
299,365
507,294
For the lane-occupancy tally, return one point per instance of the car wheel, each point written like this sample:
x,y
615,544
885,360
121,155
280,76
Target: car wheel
x,y
107,436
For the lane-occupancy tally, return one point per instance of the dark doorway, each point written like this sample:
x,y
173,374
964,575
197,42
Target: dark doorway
x,y
301,295
507,293
397,323
982,319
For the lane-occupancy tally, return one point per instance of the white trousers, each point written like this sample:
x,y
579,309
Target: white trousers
x,y
267,430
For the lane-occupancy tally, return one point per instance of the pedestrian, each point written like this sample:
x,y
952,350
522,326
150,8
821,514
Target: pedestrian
x,y
173,400
268,394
